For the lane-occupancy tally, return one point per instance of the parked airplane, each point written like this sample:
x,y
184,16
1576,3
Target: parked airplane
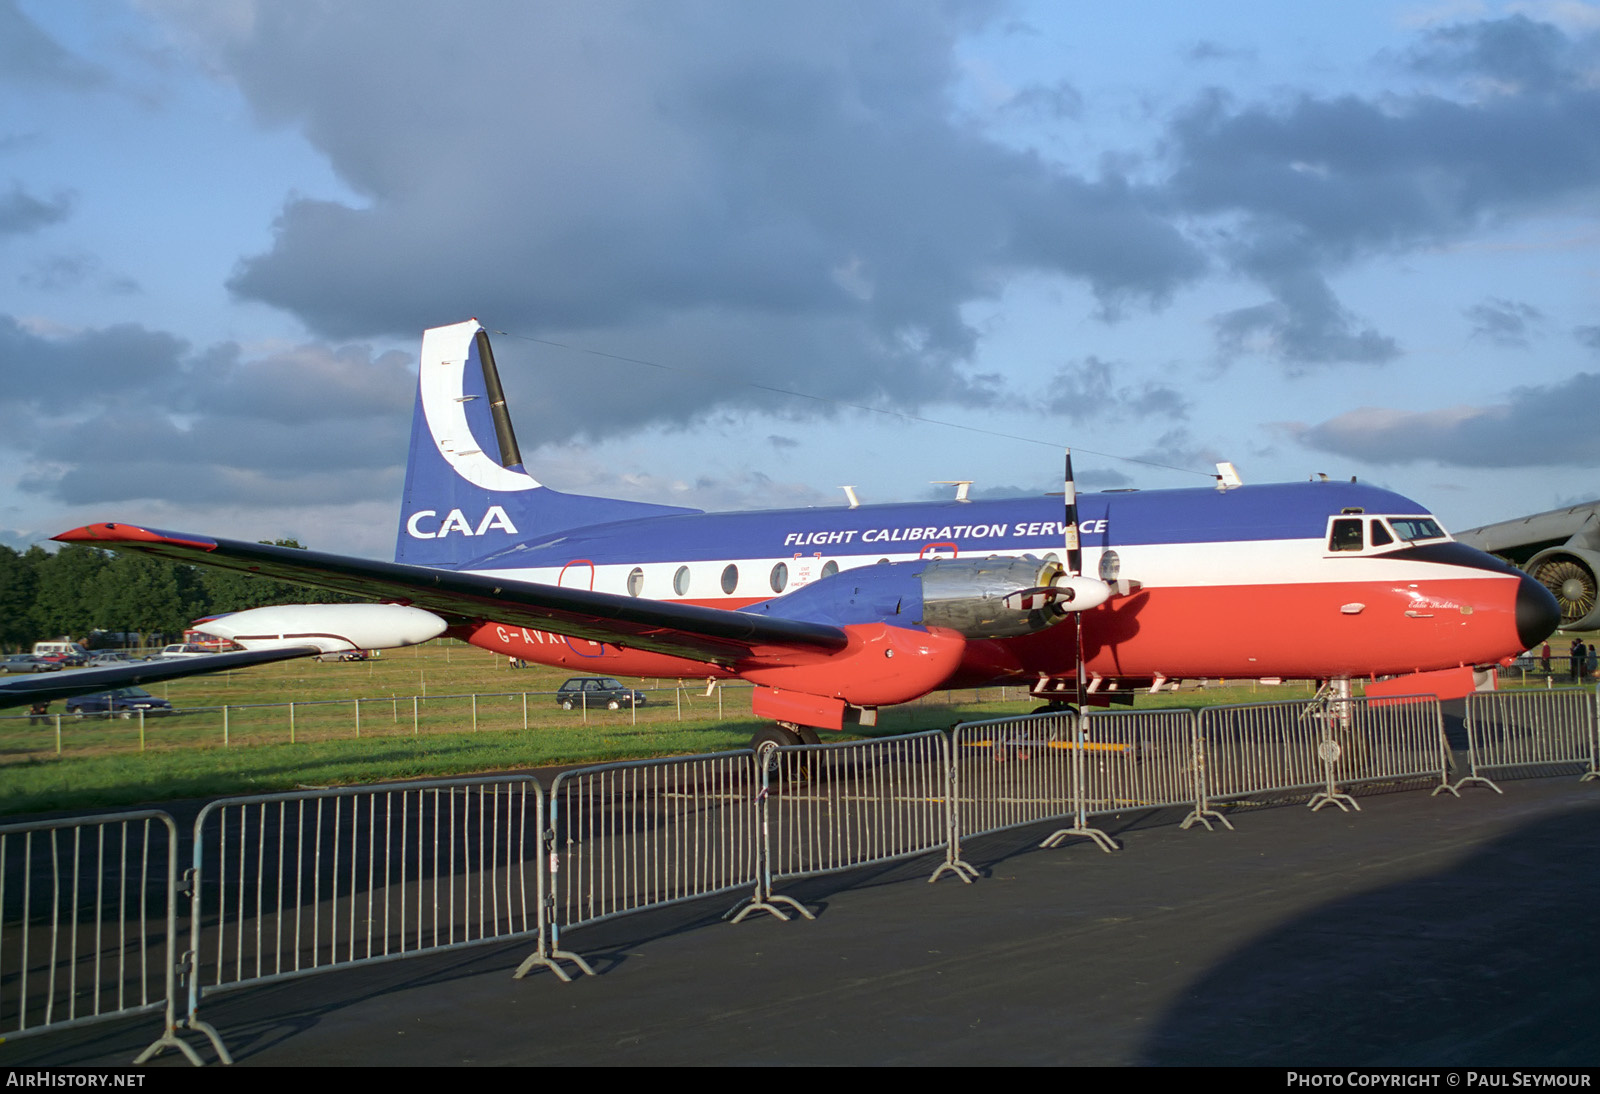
x,y
1560,549
833,613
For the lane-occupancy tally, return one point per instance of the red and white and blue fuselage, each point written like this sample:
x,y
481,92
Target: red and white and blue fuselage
x,y
828,609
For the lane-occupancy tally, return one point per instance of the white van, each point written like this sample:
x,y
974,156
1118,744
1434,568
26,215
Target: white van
x,y
59,649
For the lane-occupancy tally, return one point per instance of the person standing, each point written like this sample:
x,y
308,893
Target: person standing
x,y
1544,658
1576,656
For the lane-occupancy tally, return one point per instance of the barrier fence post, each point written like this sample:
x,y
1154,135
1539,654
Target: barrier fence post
x,y
1077,736
524,710
474,712
291,723
414,729
58,734
141,728
358,718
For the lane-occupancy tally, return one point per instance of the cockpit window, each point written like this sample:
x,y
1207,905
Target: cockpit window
x,y
1411,529
1380,534
1346,536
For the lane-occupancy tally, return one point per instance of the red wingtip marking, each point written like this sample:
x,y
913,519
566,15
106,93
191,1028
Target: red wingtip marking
x,y
110,533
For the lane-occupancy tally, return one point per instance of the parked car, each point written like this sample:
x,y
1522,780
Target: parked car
x,y
345,655
178,649
27,662
106,658
122,701
597,691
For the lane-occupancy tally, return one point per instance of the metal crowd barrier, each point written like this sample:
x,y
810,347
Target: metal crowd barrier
x,y
1005,773
88,923
625,837
1527,729
1321,745
1388,739
834,807
1017,771
288,884
1132,760
1260,747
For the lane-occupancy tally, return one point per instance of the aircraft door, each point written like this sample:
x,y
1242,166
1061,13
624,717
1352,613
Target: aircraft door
x,y
579,574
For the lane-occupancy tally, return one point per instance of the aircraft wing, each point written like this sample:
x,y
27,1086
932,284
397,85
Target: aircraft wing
x,y
684,630
1560,549
1524,537
43,687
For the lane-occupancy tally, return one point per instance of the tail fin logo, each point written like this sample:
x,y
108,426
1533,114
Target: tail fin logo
x,y
456,521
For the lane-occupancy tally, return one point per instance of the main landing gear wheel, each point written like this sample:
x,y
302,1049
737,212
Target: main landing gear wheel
x,y
766,741
1063,730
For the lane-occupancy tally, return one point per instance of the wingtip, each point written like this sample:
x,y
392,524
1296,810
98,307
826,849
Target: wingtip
x,y
110,533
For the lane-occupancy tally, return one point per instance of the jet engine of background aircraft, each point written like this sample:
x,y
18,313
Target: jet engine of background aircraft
x,y
1560,549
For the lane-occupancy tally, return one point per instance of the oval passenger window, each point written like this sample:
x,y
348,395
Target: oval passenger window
x,y
680,581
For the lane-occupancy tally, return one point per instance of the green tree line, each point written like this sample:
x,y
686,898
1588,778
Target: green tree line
x,y
77,590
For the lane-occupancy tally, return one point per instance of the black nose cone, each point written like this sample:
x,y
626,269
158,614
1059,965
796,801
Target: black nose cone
x,y
1538,614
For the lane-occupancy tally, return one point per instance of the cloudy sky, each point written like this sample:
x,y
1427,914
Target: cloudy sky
x,y
744,252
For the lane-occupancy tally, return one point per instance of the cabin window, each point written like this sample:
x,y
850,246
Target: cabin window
x,y
730,578
1414,528
1380,535
780,577
1346,536
635,581
830,568
680,581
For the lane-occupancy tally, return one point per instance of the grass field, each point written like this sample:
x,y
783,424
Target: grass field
x,y
439,709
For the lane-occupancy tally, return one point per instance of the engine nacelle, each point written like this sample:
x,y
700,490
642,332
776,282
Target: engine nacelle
x,y
1003,597
976,598
332,628
1570,574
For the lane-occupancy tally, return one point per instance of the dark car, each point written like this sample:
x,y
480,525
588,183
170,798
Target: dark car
x,y
124,701
597,691
27,662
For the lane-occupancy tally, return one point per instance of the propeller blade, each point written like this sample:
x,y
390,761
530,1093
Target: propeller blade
x,y
1074,552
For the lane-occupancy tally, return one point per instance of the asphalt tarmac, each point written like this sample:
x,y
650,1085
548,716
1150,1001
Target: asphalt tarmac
x,y
1420,931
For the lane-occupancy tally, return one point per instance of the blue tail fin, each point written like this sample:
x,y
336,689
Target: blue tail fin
x,y
467,494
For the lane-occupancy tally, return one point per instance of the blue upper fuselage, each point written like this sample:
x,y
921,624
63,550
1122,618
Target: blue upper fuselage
x,y
1266,512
